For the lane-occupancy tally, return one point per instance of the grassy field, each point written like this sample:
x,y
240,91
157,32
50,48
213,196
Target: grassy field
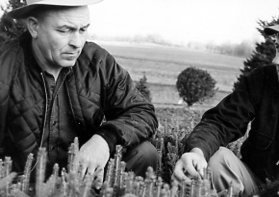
x,y
162,65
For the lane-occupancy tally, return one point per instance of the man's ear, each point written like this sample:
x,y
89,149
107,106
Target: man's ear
x,y
32,25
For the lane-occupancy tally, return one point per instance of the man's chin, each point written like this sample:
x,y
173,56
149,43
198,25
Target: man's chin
x,y
68,63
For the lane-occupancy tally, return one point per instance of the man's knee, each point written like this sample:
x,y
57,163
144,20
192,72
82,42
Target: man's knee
x,y
221,160
223,155
139,158
228,169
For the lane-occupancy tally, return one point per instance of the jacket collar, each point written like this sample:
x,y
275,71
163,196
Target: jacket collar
x,y
29,59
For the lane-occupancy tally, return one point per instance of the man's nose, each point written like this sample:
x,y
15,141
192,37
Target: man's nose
x,y
76,40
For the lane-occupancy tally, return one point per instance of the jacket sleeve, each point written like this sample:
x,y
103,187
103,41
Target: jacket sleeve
x,y
4,97
228,120
130,118
7,61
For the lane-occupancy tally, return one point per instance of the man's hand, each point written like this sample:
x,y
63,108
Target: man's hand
x,y
191,164
93,157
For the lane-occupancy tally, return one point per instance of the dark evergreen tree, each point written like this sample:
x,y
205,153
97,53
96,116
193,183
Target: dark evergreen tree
x,y
142,86
263,53
10,28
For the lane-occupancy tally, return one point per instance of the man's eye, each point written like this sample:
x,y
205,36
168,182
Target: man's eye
x,y
83,30
63,30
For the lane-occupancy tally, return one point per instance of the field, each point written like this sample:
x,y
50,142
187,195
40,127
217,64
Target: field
x,y
162,65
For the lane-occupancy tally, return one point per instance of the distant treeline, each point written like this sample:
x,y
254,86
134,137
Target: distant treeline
x,y
244,49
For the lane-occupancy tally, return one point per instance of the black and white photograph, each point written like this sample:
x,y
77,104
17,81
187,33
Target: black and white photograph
x,y
139,98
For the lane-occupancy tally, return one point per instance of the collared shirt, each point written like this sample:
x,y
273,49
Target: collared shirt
x,y
59,128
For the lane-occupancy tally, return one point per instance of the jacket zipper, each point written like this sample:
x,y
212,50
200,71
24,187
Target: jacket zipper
x,y
71,107
46,108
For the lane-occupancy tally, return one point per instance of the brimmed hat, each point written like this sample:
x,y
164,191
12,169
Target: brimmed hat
x,y
31,4
270,30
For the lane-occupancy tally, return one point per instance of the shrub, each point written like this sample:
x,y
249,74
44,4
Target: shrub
x,y
142,86
195,85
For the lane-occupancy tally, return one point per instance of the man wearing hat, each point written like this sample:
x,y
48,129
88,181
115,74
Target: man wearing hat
x,y
55,86
256,100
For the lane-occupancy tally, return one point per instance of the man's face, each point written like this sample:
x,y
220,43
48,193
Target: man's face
x,y
61,36
275,39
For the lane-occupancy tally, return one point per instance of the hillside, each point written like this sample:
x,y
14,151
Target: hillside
x,y
162,65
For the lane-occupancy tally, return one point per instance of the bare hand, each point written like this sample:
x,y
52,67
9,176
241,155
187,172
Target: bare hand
x,y
191,164
93,157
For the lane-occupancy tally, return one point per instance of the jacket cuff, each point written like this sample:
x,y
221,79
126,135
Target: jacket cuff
x,y
110,138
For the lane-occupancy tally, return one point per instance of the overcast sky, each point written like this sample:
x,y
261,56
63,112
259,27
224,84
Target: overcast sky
x,y
181,21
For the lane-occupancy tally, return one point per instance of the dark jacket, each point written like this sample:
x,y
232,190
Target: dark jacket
x,y
97,87
256,100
